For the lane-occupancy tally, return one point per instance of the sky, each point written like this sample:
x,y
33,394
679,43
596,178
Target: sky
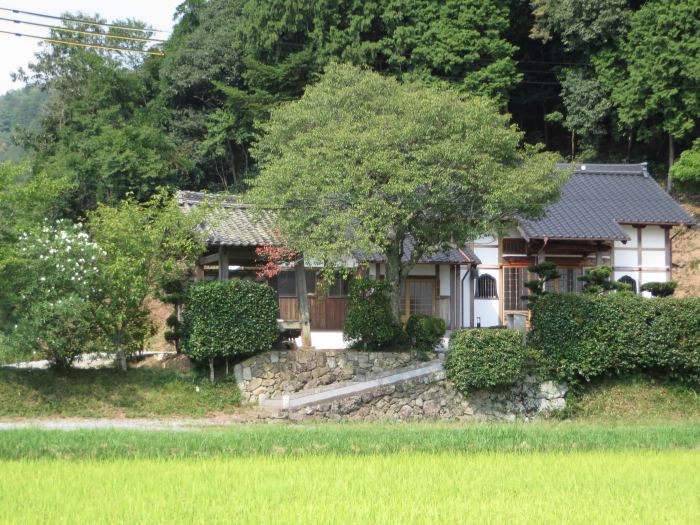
x,y
17,52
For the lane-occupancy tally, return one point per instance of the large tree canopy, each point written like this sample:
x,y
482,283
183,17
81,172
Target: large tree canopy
x,y
362,163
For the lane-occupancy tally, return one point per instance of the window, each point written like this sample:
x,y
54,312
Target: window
x,y
420,298
287,286
339,288
514,288
514,247
486,287
628,280
569,279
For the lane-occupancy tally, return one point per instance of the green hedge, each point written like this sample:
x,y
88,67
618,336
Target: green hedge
x,y
485,358
229,318
369,323
584,336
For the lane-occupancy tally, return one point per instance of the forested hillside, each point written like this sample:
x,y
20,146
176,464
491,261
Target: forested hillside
x,y
605,80
19,109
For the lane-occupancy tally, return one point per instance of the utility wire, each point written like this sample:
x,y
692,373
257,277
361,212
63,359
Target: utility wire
x,y
77,31
17,11
82,44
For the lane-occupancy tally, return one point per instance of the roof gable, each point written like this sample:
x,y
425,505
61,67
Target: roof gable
x,y
598,198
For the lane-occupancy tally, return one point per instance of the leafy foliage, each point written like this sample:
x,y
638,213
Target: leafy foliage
x,y
19,109
665,289
686,171
388,163
598,281
370,323
229,318
424,332
485,358
584,336
545,272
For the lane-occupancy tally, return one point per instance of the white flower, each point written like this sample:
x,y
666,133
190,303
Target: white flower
x,y
42,278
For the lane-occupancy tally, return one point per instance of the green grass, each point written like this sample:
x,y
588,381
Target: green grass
x,y
538,488
110,393
633,399
345,439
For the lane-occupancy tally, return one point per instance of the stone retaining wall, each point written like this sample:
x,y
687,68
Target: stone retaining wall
x,y
436,398
275,373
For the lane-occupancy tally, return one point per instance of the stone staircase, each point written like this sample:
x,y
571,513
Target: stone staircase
x,y
432,370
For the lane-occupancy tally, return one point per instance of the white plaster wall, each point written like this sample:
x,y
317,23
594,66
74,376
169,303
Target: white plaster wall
x,y
445,283
651,277
488,310
326,340
653,237
626,258
653,259
631,231
488,255
422,270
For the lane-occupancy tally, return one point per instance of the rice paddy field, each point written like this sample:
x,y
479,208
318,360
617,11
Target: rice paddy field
x,y
548,472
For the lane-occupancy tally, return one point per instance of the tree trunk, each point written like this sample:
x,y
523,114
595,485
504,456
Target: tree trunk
x,y
394,278
122,359
671,160
227,367
211,369
573,145
300,277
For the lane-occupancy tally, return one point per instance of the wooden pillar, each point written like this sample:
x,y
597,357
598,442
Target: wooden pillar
x,y
223,263
302,295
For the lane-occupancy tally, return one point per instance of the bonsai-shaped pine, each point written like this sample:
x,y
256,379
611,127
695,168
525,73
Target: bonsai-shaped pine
x,y
658,289
598,281
173,292
545,272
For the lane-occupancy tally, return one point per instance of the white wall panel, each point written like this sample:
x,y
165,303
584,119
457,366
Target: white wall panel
x,y
653,237
653,277
653,259
488,311
488,239
488,256
445,283
631,231
626,258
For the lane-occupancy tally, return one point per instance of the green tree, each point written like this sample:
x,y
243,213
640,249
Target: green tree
x,y
365,163
686,171
659,93
598,280
146,244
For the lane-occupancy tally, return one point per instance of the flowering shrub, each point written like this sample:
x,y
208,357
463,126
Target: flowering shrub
x,y
59,289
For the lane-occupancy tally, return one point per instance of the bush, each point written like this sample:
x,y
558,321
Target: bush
x,y
58,331
424,332
584,336
370,323
485,358
656,289
229,318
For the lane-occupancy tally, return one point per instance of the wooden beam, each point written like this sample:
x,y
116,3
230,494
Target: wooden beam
x,y
223,264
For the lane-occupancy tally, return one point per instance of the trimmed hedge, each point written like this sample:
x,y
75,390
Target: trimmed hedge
x,y
425,332
370,324
229,318
584,336
485,358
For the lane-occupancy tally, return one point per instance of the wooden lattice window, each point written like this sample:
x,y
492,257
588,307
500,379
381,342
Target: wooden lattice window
x,y
486,287
514,247
628,280
569,279
514,288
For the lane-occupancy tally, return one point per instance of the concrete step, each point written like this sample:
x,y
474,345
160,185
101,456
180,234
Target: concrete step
x,y
336,391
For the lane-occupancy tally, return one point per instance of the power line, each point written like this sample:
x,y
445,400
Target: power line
x,y
77,31
17,11
82,44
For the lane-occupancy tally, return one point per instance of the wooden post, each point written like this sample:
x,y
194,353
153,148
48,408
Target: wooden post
x,y
300,277
223,264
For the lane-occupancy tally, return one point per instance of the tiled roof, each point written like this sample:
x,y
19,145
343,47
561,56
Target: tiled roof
x,y
599,197
237,226
454,256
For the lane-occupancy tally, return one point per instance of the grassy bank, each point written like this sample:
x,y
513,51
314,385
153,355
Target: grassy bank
x,y
603,487
345,439
633,399
110,393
